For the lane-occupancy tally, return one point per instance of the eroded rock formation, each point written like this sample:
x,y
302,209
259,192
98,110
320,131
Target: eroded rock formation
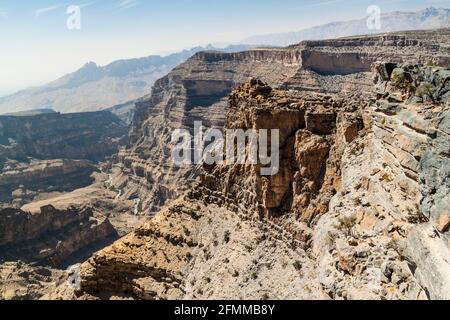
x,y
197,91
51,236
52,152
358,209
21,183
350,211
90,136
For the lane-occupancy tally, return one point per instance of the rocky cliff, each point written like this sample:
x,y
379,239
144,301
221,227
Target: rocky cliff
x,y
194,91
52,152
51,236
90,136
429,18
358,210
20,183
197,91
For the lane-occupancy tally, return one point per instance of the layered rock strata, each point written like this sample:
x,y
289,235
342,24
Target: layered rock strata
x,y
194,91
197,91
350,214
89,136
51,236
21,183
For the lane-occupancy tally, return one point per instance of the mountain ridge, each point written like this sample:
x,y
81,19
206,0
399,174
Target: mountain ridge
x,y
94,87
390,23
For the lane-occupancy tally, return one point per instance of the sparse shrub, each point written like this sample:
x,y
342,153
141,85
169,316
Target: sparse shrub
x,y
226,236
208,280
254,275
297,265
387,177
226,260
425,89
265,297
392,244
189,256
346,224
331,240
402,80
186,231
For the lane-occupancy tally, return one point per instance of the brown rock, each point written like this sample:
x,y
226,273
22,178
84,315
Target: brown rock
x,y
443,224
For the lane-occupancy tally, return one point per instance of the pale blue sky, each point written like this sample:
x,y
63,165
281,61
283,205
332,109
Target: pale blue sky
x,y
36,46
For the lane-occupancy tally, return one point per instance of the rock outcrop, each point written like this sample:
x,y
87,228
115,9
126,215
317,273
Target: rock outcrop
x,y
20,281
197,91
21,183
52,152
357,210
194,91
52,237
89,136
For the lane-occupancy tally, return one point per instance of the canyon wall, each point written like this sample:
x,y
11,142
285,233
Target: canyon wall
x,y
197,91
350,215
358,209
52,152
194,91
52,236
22,182
90,136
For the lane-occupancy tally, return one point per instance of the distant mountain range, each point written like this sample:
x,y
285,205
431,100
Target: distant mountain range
x,y
94,87
430,18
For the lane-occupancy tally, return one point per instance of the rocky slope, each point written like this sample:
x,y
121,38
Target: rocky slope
x,y
51,236
358,210
20,281
197,91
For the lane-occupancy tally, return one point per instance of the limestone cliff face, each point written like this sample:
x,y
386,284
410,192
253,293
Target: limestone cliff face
x,y
51,236
20,183
89,136
357,211
197,91
356,54
53,152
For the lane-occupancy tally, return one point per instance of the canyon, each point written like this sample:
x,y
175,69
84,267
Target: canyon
x,y
358,209
52,152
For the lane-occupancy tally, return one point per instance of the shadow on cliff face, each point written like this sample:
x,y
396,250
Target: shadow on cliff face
x,y
53,237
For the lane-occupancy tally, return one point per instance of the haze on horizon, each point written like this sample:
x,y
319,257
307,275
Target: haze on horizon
x,y
37,46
